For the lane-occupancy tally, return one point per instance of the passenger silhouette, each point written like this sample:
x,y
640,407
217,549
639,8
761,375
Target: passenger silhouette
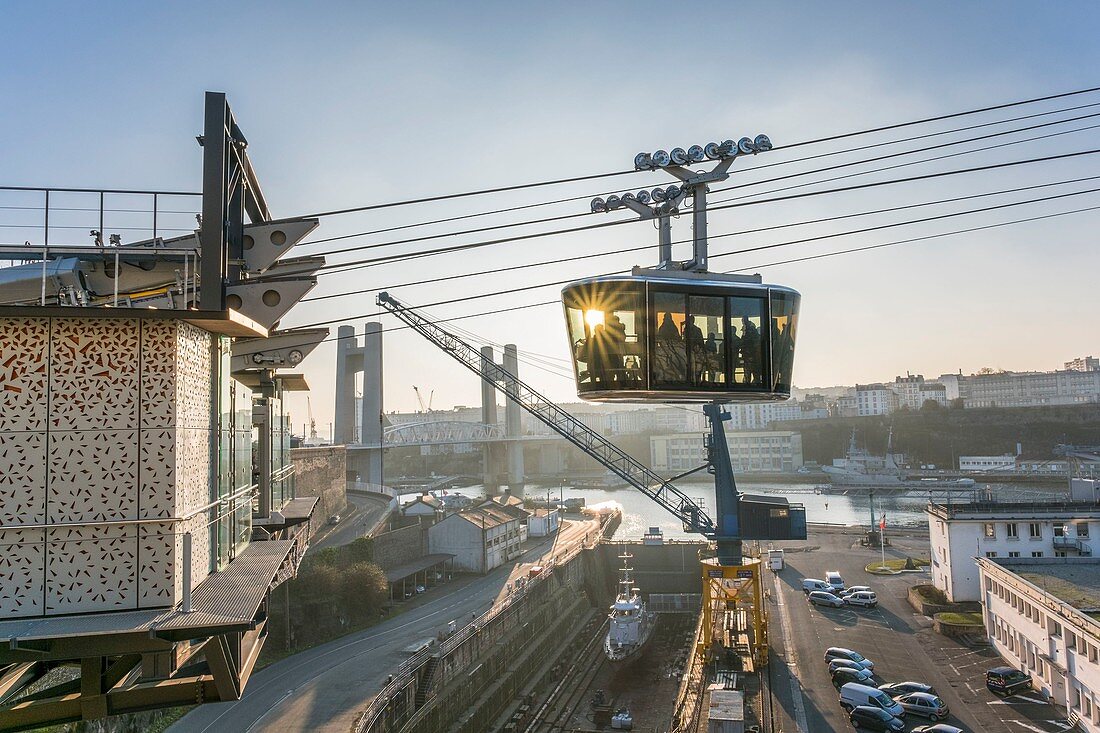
x,y
598,356
668,330
693,339
669,358
750,351
712,345
616,346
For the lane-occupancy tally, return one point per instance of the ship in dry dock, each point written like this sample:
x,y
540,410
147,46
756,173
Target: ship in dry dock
x,y
630,626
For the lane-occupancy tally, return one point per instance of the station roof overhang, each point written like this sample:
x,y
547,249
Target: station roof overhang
x,y
225,323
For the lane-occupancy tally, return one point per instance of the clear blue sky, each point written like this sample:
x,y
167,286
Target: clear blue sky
x,y
363,102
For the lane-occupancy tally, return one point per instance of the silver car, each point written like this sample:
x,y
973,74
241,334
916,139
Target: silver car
x,y
823,598
925,705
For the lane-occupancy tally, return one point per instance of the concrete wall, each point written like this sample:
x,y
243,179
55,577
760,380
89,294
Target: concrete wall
x,y
400,546
321,472
668,568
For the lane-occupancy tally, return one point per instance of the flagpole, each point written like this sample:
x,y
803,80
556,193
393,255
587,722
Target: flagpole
x,y
882,539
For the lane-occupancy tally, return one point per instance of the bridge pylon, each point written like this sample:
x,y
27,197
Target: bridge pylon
x,y
351,359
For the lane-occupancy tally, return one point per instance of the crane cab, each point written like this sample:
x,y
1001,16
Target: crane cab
x,y
681,336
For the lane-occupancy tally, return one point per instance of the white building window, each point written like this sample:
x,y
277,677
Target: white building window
x,y
990,530
1035,530
991,554
1013,554
1012,531
1082,529
1037,553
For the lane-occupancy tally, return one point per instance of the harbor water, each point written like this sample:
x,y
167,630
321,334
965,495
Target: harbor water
x,y
640,512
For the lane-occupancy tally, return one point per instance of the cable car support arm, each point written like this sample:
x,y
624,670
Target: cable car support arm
x,y
610,456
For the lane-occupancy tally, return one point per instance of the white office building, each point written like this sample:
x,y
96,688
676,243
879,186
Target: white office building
x,y
766,451
847,406
1041,616
1011,530
1083,364
985,464
631,422
875,399
1030,389
761,416
908,389
933,392
679,420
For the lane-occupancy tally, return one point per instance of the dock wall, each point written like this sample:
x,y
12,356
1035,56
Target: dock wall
x,y
464,683
672,567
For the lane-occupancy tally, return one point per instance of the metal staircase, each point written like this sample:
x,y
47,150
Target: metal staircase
x,y
424,684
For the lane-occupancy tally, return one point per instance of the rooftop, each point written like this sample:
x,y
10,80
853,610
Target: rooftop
x,y
1011,509
486,515
1076,583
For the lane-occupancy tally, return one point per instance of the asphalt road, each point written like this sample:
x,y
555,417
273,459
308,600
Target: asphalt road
x,y
366,510
901,643
324,688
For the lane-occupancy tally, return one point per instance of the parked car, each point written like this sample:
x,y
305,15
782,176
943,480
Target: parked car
x,y
836,583
824,598
835,664
844,675
854,589
1007,681
872,718
894,689
864,598
839,652
811,584
853,694
937,728
334,519
924,705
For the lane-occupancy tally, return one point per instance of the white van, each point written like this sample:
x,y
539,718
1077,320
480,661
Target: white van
x,y
865,598
812,584
836,583
853,694
776,561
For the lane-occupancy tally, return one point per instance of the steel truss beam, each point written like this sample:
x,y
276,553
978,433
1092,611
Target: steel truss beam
x,y
128,683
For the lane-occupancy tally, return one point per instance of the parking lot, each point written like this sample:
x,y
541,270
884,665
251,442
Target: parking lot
x,y
901,643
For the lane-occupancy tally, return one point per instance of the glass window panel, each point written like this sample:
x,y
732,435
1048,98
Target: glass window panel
x,y
705,340
746,340
670,362
784,318
605,336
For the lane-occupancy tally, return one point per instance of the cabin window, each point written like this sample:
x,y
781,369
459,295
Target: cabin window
x,y
747,341
705,340
670,342
606,341
784,318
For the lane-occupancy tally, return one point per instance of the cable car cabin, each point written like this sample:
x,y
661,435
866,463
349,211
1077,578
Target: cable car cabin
x,y
681,336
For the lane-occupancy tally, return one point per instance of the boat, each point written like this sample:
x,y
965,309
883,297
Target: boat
x,y
859,469
630,625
